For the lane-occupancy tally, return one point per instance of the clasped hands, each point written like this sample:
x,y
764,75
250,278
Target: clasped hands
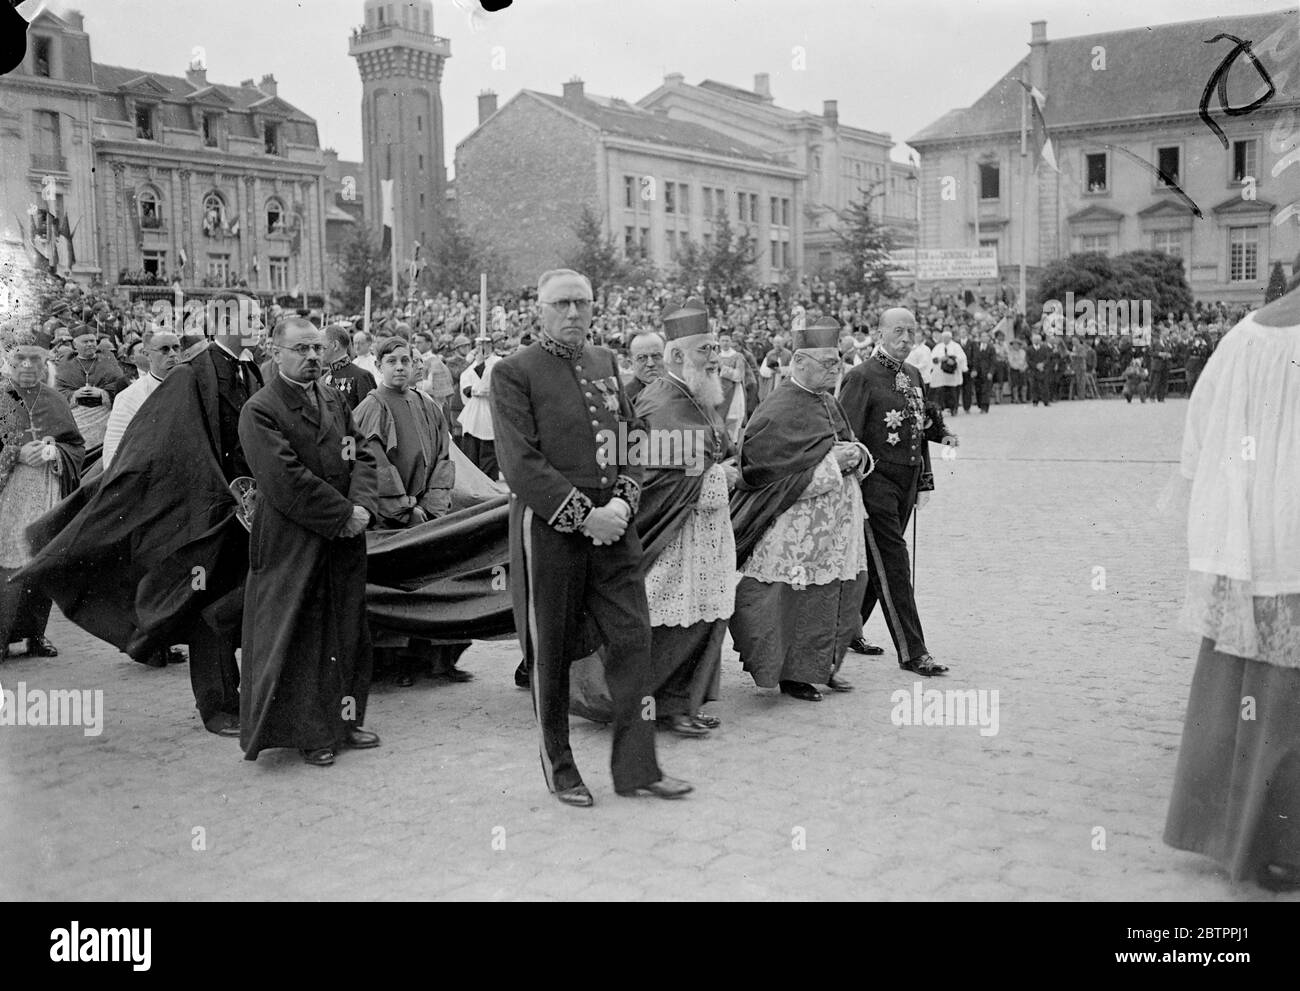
x,y
848,454
606,524
357,524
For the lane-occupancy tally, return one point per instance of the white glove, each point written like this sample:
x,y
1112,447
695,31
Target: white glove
x,y
921,499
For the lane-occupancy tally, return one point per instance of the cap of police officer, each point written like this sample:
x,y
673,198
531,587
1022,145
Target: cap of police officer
x,y
461,341
825,333
688,320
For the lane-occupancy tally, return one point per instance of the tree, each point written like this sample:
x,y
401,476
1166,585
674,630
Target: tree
x,y
733,255
458,259
866,245
362,265
692,265
1134,276
1276,284
596,255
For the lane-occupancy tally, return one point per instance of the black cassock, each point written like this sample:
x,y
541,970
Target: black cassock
x,y
306,658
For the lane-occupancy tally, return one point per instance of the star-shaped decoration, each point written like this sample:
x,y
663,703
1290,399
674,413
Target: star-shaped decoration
x,y
894,418
892,438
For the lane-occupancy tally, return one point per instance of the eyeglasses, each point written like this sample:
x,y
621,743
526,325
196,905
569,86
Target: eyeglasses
x,y
642,359
710,349
563,305
830,364
302,350
166,349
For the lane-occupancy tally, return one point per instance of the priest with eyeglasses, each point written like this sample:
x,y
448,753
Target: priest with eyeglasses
x,y
798,520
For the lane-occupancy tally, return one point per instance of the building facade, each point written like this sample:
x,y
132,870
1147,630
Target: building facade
x,y
401,62
840,163
162,177
1135,160
525,173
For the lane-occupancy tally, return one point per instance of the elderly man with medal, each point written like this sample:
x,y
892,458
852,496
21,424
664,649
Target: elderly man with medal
x,y
798,521
689,553
884,399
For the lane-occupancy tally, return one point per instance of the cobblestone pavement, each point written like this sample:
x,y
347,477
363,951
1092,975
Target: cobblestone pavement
x,y
1092,688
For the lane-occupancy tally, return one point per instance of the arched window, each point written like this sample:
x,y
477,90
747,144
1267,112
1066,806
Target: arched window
x,y
150,206
214,213
275,218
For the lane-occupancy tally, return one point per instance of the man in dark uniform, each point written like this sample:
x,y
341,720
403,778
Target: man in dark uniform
x,y
983,365
352,381
233,322
884,401
1042,371
457,362
1161,359
557,409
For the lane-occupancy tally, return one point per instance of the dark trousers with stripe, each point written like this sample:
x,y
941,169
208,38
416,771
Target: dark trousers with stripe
x,y
568,589
889,494
214,676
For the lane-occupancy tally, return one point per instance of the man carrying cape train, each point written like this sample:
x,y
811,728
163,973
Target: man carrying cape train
x,y
798,519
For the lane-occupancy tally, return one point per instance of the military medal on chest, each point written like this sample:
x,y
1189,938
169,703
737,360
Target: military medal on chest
x,y
609,389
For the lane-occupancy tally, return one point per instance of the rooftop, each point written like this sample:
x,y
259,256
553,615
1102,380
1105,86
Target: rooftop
x,y
1150,71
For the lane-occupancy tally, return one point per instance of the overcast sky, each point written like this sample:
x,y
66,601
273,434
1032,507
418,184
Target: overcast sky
x,y
893,65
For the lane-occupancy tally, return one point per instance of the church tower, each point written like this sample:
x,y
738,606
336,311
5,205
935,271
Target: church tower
x,y
401,60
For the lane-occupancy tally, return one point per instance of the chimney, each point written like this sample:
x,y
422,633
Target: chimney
x,y
831,111
674,78
487,105
267,86
573,90
763,85
246,84
197,76
1038,55
76,20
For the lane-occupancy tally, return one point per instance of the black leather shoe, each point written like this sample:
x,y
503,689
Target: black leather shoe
x,y
456,674
223,724
323,757
577,796
404,680
838,685
359,739
1279,877
924,665
158,659
800,690
860,645
665,787
522,679
682,726
41,647
177,656
702,718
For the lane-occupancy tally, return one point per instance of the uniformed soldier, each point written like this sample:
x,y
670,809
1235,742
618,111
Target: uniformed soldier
x,y
557,408
884,400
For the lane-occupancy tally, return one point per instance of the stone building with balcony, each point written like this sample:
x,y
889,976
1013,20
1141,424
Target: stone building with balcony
x,y
47,156
1123,110
166,176
524,174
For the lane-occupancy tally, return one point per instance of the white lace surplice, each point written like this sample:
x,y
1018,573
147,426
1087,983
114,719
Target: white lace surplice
x,y
694,579
820,538
1241,451
27,496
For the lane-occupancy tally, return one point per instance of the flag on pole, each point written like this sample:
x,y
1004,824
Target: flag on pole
x,y
255,269
386,196
1042,137
65,232
234,228
184,259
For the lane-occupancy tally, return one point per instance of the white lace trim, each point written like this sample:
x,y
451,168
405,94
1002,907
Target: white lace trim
x,y
1260,627
819,539
694,579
